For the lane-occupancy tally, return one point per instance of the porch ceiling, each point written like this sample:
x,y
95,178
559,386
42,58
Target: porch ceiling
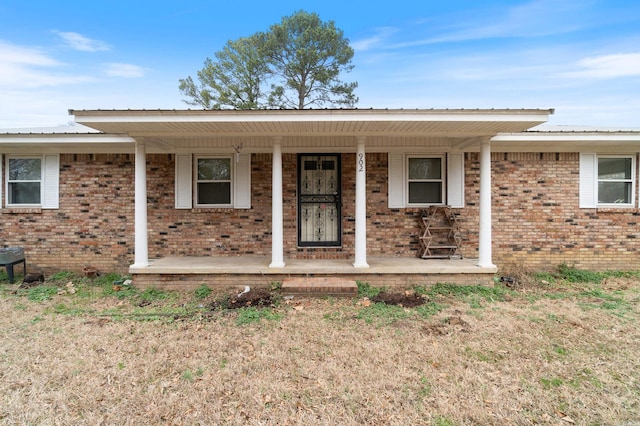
x,y
177,129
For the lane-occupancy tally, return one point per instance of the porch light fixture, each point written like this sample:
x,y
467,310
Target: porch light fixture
x,y
237,149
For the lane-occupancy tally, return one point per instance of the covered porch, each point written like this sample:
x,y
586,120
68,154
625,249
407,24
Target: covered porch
x,y
396,133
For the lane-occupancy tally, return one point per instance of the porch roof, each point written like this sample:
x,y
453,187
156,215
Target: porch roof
x,y
170,131
334,129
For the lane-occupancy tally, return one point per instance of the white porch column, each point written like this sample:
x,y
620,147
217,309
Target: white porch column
x,y
141,259
361,206
277,237
484,257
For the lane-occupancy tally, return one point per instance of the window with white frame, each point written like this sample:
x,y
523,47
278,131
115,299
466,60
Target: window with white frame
x,y
615,180
425,180
607,180
24,181
213,181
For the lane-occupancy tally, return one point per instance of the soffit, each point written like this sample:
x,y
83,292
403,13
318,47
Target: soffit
x,y
185,124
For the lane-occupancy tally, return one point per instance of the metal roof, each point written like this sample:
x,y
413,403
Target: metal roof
x,y
548,128
188,130
67,130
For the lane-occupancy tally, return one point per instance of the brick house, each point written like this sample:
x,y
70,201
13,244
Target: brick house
x,y
179,197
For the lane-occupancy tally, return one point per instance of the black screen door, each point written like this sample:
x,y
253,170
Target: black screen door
x,y
319,223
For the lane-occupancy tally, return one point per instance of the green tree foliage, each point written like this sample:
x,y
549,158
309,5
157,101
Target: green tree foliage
x,y
296,64
234,79
307,56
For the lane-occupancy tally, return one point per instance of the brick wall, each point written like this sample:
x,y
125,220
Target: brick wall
x,y
229,232
207,232
536,219
92,227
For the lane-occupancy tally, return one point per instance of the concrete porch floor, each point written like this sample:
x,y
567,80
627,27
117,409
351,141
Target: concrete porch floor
x,y
191,272
244,265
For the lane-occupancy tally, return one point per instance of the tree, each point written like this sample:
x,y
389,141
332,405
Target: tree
x,y
234,80
296,64
308,55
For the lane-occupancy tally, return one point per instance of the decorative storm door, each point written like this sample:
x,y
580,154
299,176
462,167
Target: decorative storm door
x,y
319,218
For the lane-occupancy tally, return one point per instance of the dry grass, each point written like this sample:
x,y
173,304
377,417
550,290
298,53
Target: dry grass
x,y
540,357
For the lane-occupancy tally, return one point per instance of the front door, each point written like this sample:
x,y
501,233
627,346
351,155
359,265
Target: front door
x,y
319,215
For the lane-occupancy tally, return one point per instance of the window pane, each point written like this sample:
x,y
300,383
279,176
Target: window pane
x,y
425,168
310,165
328,165
214,169
214,193
425,192
614,168
24,168
614,192
24,193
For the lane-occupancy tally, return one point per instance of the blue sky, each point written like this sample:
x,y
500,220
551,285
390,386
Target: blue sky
x,y
581,57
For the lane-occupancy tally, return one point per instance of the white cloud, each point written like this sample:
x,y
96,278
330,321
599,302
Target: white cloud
x,y
608,66
536,18
19,76
381,35
115,69
28,67
13,54
77,41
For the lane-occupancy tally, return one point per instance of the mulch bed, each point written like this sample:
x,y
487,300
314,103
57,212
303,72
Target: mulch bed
x,y
261,297
258,297
410,300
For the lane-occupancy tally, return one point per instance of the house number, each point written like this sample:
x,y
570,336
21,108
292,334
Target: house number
x,y
361,162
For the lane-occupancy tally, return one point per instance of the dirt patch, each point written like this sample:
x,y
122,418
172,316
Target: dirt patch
x,y
449,325
406,300
618,283
257,297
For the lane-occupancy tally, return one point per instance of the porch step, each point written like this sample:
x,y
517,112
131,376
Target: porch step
x,y
319,286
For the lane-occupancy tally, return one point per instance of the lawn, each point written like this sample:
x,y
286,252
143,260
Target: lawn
x,y
554,349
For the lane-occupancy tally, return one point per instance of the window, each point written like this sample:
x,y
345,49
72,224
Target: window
x,y
217,181
24,181
31,181
425,180
213,181
607,180
615,180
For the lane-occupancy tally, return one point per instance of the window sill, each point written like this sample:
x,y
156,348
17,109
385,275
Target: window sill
x,y
210,209
21,210
621,209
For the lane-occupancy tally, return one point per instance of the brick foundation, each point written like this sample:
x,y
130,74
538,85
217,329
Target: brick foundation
x,y
193,281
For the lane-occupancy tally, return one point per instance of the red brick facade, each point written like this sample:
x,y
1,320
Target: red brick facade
x,y
536,218
94,224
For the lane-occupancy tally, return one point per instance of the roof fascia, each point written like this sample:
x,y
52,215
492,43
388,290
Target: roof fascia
x,y
568,137
181,116
65,143
58,138
567,142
